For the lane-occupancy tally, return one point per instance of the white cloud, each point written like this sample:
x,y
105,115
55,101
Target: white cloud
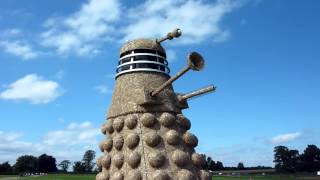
x,y
68,143
103,89
10,32
32,88
80,32
98,21
11,146
199,20
20,49
223,36
74,134
9,136
284,138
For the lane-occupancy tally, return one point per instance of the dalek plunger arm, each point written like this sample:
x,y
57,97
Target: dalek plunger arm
x,y
194,62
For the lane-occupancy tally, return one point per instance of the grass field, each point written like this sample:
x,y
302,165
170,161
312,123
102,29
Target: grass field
x,y
92,177
52,177
248,177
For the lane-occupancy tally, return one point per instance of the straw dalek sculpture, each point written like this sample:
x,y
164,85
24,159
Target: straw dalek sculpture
x,y
147,134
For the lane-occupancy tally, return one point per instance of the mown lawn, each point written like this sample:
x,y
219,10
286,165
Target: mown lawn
x,y
92,177
269,177
62,177
51,177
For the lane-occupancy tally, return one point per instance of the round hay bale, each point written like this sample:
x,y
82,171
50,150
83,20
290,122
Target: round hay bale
x,y
160,175
106,161
118,124
185,175
107,145
198,160
156,160
190,139
183,121
180,158
108,127
118,160
132,140
152,139
117,176
118,142
172,137
103,128
131,121
103,176
148,119
134,175
134,159
204,175
167,119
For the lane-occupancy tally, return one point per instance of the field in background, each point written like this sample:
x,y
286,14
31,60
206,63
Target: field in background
x,y
268,177
92,177
52,177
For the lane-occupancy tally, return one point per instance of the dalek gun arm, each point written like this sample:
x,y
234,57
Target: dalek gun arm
x,y
182,98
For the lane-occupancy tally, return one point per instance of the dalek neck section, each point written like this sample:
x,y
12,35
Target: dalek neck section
x,y
142,55
142,68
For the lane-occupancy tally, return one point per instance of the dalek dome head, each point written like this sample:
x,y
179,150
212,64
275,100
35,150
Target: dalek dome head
x,y
142,55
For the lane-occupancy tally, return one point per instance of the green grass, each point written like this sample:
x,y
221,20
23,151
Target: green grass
x,y
62,177
250,177
92,177
54,177
269,177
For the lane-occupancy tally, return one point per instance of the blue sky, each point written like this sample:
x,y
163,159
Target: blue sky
x,y
58,60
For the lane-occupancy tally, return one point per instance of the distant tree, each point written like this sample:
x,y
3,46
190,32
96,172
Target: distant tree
x,y
210,164
293,162
47,163
26,163
219,166
78,167
87,160
64,165
286,160
310,159
240,166
205,158
5,168
281,157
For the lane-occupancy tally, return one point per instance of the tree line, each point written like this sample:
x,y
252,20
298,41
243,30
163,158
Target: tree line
x,y
218,165
48,164
290,160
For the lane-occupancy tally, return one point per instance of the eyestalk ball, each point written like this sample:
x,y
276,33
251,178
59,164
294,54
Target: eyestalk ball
x,y
195,61
176,32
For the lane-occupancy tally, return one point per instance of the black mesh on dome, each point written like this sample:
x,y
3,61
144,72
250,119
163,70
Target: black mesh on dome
x,y
145,57
145,65
123,68
142,60
151,51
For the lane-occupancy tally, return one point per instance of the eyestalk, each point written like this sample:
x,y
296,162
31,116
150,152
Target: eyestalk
x,y
195,62
174,34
